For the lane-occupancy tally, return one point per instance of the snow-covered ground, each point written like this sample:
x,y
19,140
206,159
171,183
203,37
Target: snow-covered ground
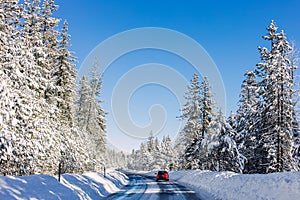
x,y
36,187
209,185
231,186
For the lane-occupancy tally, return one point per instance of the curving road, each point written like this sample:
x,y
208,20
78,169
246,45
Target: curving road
x,y
141,188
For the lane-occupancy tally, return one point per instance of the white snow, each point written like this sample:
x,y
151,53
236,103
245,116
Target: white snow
x,y
87,186
233,186
208,185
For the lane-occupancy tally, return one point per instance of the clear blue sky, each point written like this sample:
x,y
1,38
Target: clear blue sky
x,y
229,31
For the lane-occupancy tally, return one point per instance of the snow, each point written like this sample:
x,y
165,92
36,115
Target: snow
x,y
85,187
233,186
207,184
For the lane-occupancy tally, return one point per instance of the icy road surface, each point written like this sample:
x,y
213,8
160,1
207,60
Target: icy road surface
x,y
141,188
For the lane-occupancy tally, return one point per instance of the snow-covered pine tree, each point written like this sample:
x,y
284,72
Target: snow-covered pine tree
x,y
133,159
191,157
116,159
83,104
97,115
206,105
145,157
82,117
39,34
152,155
276,116
91,116
222,151
245,120
20,101
64,78
294,62
293,65
168,154
158,158
191,113
7,35
247,102
232,120
296,152
6,94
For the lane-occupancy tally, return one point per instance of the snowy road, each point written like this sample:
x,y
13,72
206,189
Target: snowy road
x,y
141,188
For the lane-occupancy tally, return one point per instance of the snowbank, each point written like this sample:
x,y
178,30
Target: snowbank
x,y
231,186
208,185
86,186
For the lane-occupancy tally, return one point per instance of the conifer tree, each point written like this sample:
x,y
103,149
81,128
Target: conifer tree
x,y
222,151
245,120
20,101
83,104
206,106
97,114
275,134
91,116
191,113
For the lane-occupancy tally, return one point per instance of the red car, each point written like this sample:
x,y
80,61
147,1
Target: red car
x,y
162,175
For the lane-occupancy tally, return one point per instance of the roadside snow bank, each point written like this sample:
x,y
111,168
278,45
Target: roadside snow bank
x,y
86,186
231,186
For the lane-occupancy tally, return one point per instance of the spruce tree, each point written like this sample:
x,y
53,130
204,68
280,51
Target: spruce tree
x,y
222,151
191,113
245,120
276,108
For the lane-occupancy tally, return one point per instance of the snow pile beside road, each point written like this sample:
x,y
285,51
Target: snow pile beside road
x,y
231,186
208,185
86,186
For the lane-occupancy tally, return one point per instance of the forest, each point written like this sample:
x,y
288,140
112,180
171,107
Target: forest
x,y
50,119
262,136
47,119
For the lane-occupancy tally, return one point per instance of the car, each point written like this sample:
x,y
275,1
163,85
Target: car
x,y
162,175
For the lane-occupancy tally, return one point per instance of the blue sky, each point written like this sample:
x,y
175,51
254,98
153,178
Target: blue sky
x,y
229,31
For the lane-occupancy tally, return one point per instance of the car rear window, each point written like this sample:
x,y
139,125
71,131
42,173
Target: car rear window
x,y
162,172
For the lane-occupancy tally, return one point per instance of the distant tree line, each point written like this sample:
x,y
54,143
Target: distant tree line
x,y
153,155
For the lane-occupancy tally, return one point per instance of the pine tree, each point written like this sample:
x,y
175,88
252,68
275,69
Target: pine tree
x,y
276,108
296,152
206,106
97,114
198,111
168,154
65,75
91,116
83,104
19,102
245,120
222,151
247,103
116,159
7,35
64,78
145,157
191,113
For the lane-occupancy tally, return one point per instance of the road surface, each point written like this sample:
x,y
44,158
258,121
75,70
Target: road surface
x,y
141,188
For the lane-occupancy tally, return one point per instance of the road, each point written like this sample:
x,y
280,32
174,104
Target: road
x,y
141,188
